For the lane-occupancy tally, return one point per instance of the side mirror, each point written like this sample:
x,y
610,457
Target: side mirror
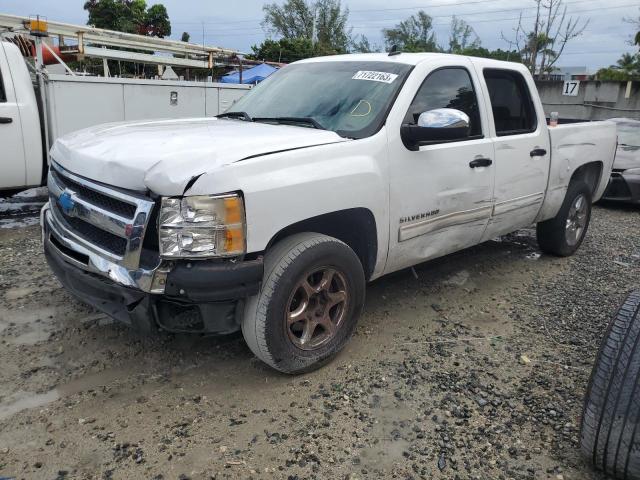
x,y
439,125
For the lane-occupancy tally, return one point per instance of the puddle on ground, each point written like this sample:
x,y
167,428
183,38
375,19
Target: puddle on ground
x,y
19,292
32,337
26,317
23,209
18,222
458,279
391,432
30,326
22,400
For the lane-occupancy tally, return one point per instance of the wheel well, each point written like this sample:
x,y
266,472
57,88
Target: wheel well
x,y
356,227
589,173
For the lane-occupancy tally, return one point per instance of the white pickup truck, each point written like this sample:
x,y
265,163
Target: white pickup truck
x,y
75,102
335,171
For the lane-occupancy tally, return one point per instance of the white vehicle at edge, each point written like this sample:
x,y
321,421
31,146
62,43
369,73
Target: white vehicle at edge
x,y
272,217
68,103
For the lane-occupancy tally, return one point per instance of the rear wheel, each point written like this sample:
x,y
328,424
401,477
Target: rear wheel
x,y
563,234
610,432
311,297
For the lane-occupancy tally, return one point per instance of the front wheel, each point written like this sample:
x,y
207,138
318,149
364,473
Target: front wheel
x,y
312,295
563,234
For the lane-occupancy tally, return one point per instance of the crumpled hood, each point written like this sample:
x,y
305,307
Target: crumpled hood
x,y
162,156
627,157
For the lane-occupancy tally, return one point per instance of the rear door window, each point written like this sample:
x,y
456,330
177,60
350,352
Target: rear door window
x,y
513,111
3,95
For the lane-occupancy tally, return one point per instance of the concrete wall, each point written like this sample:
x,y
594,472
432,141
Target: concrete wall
x,y
595,101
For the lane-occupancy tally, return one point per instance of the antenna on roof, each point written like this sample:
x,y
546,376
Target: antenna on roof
x,y
394,51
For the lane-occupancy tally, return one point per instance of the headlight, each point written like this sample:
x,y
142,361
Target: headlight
x,y
632,171
202,226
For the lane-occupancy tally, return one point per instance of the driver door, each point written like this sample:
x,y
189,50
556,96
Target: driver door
x,y
441,193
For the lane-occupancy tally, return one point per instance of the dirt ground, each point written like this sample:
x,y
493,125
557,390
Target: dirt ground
x,y
433,385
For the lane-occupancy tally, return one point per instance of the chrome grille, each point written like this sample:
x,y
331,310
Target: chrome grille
x,y
96,198
107,221
105,240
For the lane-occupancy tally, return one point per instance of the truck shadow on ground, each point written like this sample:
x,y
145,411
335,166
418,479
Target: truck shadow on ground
x,y
417,288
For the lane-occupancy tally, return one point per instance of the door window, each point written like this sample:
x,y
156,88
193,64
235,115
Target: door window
x,y
447,88
513,112
3,95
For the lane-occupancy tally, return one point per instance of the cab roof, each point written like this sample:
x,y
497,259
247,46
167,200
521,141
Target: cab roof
x,y
412,59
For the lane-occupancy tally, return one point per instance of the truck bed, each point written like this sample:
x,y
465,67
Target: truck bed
x,y
574,144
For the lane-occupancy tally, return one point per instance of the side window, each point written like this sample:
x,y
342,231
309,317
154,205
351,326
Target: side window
x,y
447,88
3,95
513,111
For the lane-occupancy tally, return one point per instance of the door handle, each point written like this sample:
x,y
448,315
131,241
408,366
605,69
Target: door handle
x,y
538,152
6,119
480,162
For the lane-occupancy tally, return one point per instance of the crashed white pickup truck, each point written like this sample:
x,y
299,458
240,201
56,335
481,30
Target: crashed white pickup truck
x,y
272,217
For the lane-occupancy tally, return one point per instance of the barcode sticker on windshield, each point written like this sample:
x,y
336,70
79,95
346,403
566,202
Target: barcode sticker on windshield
x,y
383,77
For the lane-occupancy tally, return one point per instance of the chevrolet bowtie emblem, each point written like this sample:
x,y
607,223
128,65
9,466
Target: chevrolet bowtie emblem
x,y
66,202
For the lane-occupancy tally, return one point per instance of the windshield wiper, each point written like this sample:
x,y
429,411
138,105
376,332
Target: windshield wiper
x,y
305,120
239,115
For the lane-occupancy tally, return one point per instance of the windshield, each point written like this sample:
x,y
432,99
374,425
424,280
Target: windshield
x,y
350,98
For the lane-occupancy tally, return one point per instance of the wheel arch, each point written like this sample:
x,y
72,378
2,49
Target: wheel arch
x,y
590,173
355,226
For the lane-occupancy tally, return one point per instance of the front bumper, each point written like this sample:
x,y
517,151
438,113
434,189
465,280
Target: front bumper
x,y
623,187
203,296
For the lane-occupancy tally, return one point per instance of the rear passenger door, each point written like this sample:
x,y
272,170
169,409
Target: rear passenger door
x,y
521,144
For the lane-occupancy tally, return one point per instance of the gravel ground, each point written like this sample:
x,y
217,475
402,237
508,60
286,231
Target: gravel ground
x,y
474,368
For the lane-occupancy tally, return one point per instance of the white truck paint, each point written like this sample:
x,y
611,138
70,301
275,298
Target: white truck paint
x,y
426,199
78,102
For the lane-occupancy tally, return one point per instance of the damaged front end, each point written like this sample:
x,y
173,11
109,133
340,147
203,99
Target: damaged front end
x,y
103,245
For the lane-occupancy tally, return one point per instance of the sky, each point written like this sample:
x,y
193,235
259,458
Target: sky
x,y
236,24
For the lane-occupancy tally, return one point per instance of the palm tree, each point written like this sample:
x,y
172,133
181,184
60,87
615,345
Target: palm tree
x,y
628,63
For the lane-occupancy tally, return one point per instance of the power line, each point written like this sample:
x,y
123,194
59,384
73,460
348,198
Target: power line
x,y
489,20
236,32
424,7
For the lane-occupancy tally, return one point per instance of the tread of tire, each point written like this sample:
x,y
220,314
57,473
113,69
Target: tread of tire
x,y
609,433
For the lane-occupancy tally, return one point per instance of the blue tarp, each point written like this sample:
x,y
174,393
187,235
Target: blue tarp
x,y
250,75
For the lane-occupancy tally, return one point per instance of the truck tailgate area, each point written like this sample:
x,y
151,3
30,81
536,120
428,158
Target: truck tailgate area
x,y
572,146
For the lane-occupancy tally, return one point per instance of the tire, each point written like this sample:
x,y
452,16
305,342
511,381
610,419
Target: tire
x,y
553,234
610,432
298,283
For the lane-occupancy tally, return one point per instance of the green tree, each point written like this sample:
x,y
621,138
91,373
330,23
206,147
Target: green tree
x,y
542,43
293,19
462,36
129,16
628,63
415,34
284,50
325,20
614,74
185,37
499,54
361,44
157,21
331,25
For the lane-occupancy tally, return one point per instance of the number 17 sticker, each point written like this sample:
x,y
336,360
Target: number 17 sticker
x,y
571,88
